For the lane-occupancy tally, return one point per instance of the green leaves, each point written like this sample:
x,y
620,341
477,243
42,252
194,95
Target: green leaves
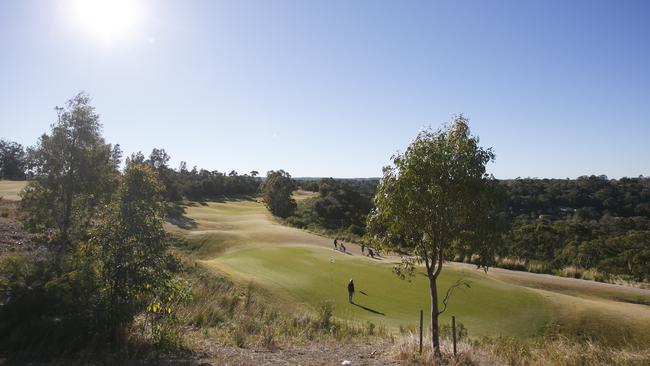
x,y
435,200
132,243
276,192
437,195
75,172
406,269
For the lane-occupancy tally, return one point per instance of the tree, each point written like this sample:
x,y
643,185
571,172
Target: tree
x,y
343,204
132,246
276,192
158,160
435,201
76,171
12,160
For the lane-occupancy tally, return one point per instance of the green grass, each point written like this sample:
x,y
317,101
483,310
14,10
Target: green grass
x,y
240,238
10,189
310,275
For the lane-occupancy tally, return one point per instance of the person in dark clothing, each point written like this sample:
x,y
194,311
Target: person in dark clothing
x,y
363,248
350,290
336,247
343,248
371,253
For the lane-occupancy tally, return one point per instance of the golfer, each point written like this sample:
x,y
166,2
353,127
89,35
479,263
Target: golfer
x,y
350,290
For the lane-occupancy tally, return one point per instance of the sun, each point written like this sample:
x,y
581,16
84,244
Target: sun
x,y
106,18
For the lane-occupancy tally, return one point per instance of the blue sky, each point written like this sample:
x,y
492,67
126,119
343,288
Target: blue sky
x,y
334,88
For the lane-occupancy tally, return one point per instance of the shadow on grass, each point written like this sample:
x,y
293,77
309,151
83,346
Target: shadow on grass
x,y
368,309
223,199
176,216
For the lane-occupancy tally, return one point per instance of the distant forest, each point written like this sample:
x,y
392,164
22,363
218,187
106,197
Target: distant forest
x,y
590,227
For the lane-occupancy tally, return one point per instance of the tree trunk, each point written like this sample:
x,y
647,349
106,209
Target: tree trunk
x,y
435,334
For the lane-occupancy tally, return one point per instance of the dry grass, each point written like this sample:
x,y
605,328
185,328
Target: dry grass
x,y
10,189
512,351
246,316
300,195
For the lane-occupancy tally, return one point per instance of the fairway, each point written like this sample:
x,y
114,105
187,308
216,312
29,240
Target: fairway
x,y
310,275
240,238
10,189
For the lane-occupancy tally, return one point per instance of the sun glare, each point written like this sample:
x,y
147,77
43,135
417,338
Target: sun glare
x,y
107,18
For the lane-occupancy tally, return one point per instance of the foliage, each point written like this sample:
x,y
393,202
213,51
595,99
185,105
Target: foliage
x,y
202,184
311,185
587,223
130,241
12,160
276,192
196,184
437,199
325,313
112,260
551,224
583,199
75,172
339,210
342,204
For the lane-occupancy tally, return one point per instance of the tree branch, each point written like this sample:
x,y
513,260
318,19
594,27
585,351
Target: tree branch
x,y
450,290
439,265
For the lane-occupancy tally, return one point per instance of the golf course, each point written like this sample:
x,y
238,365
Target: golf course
x,y
240,238
10,189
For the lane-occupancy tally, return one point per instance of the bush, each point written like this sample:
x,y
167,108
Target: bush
x,y
515,264
325,313
447,331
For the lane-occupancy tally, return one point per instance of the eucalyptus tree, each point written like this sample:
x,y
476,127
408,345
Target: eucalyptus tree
x,y
276,192
435,202
75,172
132,247
12,160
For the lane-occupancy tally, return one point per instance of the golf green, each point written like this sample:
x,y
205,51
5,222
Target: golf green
x,y
310,275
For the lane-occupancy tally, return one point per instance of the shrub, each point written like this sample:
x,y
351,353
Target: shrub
x,y
447,331
325,313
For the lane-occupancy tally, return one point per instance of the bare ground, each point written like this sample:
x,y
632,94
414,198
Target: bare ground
x,y
326,353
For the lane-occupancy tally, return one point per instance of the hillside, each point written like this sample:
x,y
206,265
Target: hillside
x,y
240,238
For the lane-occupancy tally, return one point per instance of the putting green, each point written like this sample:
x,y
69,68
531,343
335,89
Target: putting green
x,y
311,275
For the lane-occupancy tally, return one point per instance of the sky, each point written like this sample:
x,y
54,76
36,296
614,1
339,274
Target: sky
x,y
334,88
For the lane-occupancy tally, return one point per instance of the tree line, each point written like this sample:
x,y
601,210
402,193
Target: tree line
x,y
340,207
18,163
591,222
197,184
